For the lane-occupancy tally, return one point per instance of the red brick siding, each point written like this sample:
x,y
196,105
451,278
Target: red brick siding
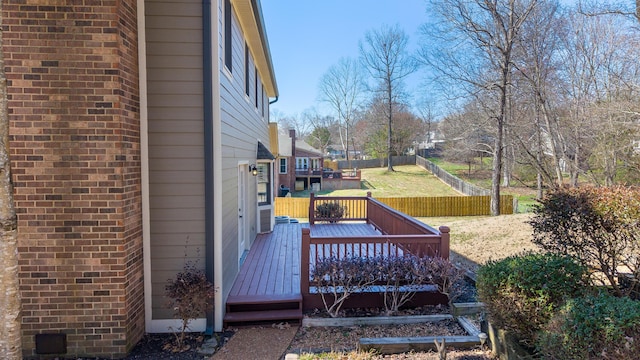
x,y
75,146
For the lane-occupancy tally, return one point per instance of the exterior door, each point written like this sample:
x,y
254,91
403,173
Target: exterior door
x,y
242,206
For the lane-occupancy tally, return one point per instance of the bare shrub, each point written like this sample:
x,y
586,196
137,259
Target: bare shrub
x,y
337,278
190,294
330,211
600,227
443,274
402,279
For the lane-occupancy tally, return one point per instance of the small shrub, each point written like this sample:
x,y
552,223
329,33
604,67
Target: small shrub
x,y
522,292
190,294
444,275
600,227
593,327
399,276
330,210
402,278
338,278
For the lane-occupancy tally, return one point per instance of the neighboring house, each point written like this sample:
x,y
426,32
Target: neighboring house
x,y
432,140
135,127
299,165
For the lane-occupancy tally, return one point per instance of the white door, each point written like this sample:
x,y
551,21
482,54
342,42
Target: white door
x,y
242,204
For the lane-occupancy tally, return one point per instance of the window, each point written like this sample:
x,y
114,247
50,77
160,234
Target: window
x,y
228,54
262,91
256,83
302,163
315,164
283,165
246,70
264,184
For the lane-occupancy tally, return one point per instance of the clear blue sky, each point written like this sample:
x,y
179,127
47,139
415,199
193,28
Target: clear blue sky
x,y
306,37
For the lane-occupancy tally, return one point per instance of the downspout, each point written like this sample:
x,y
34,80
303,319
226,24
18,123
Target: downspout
x,y
273,101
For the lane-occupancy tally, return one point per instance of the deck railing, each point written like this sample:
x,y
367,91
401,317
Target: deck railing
x,y
337,208
399,234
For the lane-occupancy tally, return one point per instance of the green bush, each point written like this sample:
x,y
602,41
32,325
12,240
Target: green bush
x,y
593,327
522,292
600,227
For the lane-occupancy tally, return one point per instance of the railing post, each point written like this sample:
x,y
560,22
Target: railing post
x,y
304,261
312,206
366,207
444,241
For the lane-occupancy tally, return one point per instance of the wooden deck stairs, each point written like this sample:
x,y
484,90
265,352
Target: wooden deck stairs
x,y
249,310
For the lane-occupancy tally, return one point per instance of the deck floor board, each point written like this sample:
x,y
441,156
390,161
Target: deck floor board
x,y
272,267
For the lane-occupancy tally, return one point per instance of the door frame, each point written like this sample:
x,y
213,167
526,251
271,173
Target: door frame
x,y
243,206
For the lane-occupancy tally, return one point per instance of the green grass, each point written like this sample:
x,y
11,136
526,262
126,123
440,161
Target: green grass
x,y
481,176
405,181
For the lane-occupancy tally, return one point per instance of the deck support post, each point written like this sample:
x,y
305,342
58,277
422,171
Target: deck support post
x,y
304,261
444,241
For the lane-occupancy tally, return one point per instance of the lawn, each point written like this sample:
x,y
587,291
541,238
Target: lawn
x,y
474,239
478,239
405,181
480,175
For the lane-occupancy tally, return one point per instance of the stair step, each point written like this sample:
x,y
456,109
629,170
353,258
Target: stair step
x,y
271,315
263,299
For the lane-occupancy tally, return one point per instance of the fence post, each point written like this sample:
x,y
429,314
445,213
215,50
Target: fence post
x,y
304,261
444,241
311,209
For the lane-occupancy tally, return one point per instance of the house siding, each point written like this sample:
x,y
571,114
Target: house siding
x,y
176,142
75,152
242,127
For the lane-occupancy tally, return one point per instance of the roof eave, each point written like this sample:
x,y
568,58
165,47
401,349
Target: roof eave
x,y
250,16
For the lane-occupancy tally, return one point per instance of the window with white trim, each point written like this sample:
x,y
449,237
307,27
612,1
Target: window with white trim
x,y
283,166
302,163
264,183
228,36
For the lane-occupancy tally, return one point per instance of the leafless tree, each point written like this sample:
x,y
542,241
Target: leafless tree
x,y
384,53
320,136
342,87
536,63
602,7
427,114
603,88
474,50
10,333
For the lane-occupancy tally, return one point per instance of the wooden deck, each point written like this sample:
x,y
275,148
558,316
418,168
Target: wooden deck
x,y
272,267
267,287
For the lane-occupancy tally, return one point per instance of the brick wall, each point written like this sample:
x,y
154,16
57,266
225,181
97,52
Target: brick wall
x,y
75,147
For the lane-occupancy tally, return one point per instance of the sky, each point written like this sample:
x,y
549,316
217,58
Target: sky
x,y
307,37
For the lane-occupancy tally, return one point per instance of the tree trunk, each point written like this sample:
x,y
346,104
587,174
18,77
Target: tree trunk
x,y
10,332
495,175
390,132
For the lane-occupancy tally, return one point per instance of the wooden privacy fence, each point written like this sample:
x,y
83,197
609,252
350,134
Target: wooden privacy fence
x,y
412,206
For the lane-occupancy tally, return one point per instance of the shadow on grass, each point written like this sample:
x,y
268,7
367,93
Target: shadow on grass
x,y
365,185
470,266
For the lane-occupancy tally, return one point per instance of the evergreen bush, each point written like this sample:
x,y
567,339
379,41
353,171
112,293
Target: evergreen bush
x,y
522,292
593,327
